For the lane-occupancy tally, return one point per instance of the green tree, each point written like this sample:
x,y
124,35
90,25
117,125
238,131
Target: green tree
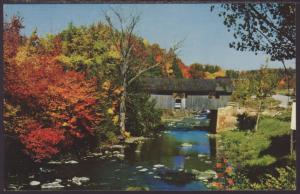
x,y
263,85
232,74
241,91
262,27
176,70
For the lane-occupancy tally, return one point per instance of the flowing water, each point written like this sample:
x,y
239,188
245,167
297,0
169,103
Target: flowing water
x,y
142,165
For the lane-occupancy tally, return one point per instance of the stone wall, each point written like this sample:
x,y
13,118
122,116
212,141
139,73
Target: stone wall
x,y
226,118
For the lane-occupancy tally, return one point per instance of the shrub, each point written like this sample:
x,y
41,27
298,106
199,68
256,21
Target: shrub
x,y
246,122
285,179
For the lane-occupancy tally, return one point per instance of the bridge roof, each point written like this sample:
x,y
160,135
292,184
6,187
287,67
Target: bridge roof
x,y
192,86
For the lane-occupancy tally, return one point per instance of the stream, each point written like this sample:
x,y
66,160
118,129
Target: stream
x,y
166,162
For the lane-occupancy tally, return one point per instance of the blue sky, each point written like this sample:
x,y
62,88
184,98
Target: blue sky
x,y
205,37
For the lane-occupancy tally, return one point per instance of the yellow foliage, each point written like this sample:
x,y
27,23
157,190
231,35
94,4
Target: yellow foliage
x,y
22,55
168,68
115,119
110,111
65,124
106,85
220,73
209,75
114,54
125,134
170,71
145,41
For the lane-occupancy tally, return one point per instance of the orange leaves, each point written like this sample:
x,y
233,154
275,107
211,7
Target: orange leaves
x,y
224,175
185,70
55,104
229,170
118,90
158,59
219,165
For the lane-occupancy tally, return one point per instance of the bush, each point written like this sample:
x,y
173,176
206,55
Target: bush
x,y
285,179
143,117
246,122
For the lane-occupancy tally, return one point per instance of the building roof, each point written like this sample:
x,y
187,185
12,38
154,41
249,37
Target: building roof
x,y
193,86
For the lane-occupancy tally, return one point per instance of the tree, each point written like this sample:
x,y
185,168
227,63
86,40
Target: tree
x,y
266,27
176,69
199,71
232,74
55,108
263,84
242,85
184,69
263,27
133,60
196,71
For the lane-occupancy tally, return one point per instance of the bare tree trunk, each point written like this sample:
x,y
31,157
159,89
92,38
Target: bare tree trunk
x,y
258,115
287,79
123,102
123,111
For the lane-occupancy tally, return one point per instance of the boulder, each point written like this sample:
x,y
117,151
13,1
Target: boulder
x,y
54,162
80,180
205,175
143,170
53,185
34,183
45,170
158,165
58,180
117,147
121,156
71,162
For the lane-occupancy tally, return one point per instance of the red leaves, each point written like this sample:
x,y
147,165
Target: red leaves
x,y
11,35
56,103
41,143
185,70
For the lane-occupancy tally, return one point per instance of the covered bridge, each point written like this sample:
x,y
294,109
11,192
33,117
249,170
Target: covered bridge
x,y
190,94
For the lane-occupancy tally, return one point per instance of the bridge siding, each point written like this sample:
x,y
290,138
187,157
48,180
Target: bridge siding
x,y
193,102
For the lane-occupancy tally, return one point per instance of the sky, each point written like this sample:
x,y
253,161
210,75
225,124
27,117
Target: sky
x,y
206,39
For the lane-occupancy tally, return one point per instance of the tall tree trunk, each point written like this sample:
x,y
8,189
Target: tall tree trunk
x,y
258,115
287,79
123,107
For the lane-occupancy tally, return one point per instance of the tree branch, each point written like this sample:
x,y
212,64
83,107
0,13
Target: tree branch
x,y
141,72
260,16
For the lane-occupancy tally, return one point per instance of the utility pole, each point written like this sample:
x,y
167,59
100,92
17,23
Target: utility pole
x,y
293,126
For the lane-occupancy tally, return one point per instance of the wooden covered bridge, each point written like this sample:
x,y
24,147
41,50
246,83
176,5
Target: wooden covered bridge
x,y
189,94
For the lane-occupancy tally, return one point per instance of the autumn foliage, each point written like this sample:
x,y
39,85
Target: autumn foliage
x,y
57,107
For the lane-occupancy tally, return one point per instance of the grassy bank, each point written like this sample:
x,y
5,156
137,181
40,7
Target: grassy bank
x,y
261,158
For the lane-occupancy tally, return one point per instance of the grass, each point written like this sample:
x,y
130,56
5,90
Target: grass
x,y
247,148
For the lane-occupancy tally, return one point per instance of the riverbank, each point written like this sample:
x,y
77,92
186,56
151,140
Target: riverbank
x,y
254,154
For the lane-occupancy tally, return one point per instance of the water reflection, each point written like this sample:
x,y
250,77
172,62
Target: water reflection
x,y
143,165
